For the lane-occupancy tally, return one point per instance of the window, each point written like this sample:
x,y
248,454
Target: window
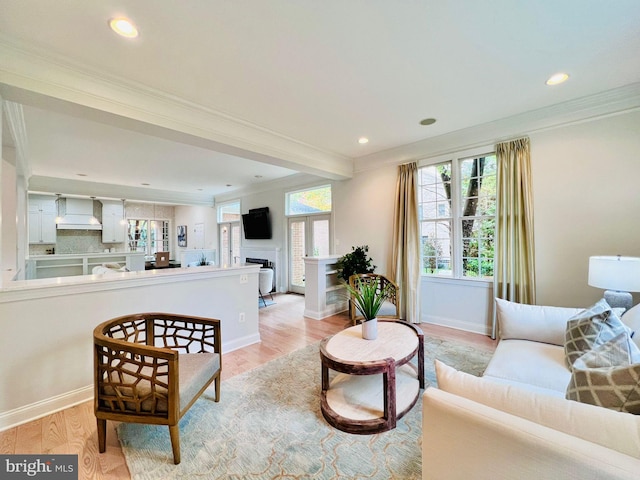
x,y
309,201
457,217
309,230
229,212
148,236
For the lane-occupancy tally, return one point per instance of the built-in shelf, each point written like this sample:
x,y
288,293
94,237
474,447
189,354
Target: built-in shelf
x,y
324,294
51,266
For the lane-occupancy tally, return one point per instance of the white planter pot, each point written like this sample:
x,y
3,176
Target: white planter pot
x,y
370,329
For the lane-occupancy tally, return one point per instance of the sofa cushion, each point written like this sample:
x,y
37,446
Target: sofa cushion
x,y
591,328
631,318
537,366
533,322
615,430
608,376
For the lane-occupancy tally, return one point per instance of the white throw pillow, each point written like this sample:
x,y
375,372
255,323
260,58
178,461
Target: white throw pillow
x,y
533,322
631,318
616,430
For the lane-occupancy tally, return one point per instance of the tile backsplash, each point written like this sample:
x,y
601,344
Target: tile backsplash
x,y
77,241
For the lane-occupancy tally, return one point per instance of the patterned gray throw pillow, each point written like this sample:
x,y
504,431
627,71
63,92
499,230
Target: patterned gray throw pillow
x,y
608,376
590,328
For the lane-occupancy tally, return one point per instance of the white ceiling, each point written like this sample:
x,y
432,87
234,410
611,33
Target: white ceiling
x,y
64,146
319,73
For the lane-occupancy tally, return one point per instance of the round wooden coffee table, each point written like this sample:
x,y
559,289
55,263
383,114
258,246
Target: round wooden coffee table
x,y
375,384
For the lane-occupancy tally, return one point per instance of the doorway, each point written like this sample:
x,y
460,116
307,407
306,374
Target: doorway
x,y
308,236
229,243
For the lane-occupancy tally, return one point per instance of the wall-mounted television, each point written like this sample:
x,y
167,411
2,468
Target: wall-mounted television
x,y
256,223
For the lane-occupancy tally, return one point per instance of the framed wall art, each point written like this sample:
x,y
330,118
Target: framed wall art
x,y
182,235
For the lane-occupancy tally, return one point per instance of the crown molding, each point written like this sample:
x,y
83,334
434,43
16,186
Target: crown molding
x,y
295,181
66,186
593,107
29,73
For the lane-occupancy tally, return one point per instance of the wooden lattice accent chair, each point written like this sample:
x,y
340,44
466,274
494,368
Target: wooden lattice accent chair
x,y
151,367
390,308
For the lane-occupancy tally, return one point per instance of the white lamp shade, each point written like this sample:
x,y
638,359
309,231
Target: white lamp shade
x,y
615,273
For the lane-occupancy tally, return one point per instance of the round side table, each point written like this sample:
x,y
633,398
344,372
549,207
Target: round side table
x,y
375,384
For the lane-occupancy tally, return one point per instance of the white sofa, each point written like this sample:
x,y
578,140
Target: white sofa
x,y
514,422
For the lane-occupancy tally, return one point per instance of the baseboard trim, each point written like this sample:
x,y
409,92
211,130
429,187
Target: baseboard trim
x,y
28,413
327,312
457,324
240,342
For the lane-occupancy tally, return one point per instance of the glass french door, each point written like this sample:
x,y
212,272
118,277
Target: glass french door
x,y
229,243
308,236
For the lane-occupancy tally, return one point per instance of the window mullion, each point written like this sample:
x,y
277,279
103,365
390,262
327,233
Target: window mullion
x,y
456,205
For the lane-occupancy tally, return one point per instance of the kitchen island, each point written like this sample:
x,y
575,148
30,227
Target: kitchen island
x,y
46,357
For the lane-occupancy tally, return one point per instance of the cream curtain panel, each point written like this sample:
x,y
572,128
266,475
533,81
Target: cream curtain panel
x,y
406,243
514,277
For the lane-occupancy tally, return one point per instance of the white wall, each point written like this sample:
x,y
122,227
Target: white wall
x,y
191,216
274,199
363,214
586,181
586,202
46,340
273,249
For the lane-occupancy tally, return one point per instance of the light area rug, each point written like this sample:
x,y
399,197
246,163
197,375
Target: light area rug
x,y
268,425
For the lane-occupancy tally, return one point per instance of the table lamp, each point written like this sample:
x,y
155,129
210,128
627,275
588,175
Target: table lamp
x,y
618,276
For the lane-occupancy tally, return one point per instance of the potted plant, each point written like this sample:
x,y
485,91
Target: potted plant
x,y
369,298
203,260
354,262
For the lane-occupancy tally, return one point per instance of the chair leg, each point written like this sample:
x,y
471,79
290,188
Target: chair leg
x,y
263,300
174,432
217,387
102,434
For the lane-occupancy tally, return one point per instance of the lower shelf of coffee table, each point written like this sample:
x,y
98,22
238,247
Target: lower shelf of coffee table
x,y
361,397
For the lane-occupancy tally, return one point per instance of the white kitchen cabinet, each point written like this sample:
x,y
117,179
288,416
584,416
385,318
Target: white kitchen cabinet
x,y
113,225
42,219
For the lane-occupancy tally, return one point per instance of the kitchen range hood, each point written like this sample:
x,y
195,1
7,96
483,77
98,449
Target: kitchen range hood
x,y
76,214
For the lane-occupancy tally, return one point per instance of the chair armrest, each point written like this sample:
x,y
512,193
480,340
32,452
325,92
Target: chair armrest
x,y
133,378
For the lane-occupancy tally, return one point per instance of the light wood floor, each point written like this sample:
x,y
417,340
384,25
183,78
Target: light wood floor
x,y
283,329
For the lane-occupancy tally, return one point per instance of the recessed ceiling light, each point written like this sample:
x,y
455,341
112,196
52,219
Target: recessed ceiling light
x,y
363,140
229,185
428,121
557,79
124,27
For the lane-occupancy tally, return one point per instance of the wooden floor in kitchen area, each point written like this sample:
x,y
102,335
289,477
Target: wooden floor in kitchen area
x,y
283,329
